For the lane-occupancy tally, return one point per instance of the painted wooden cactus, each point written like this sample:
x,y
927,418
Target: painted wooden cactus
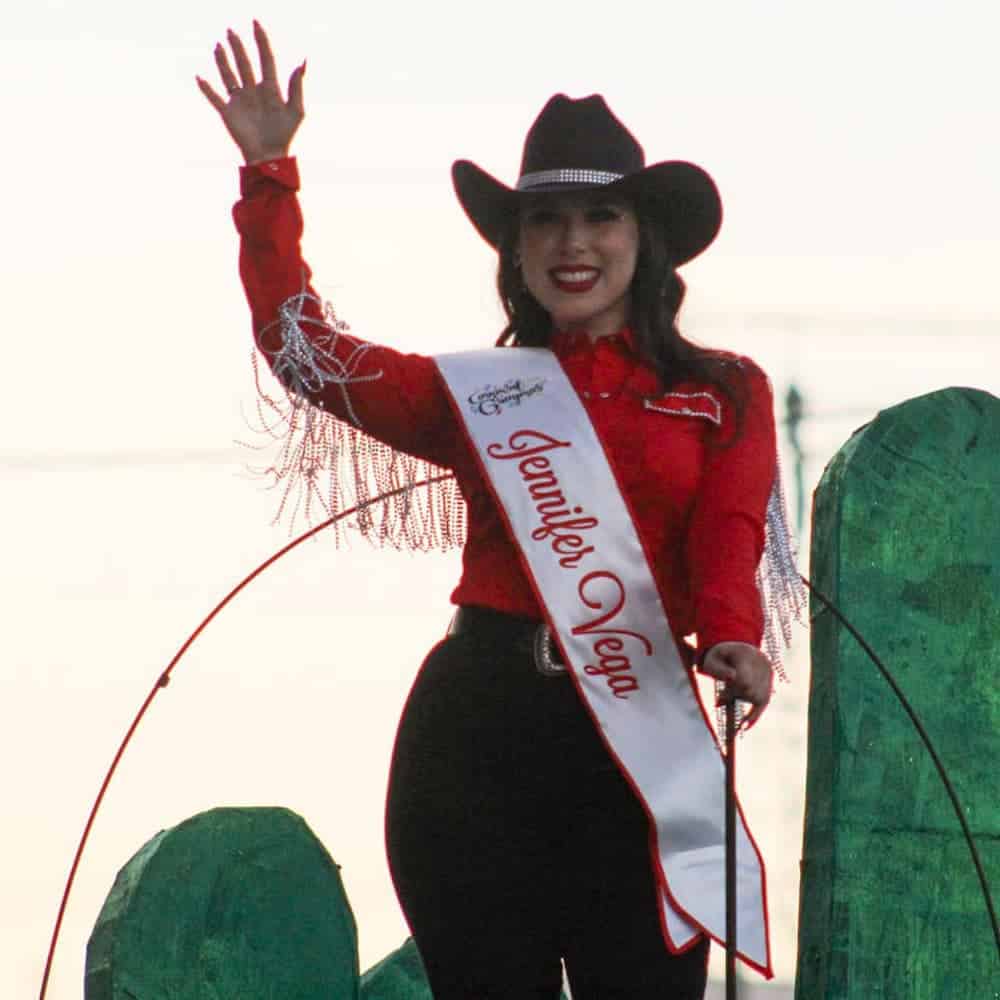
x,y
230,903
906,541
237,903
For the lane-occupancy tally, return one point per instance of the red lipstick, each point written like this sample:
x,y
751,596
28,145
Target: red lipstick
x,y
574,279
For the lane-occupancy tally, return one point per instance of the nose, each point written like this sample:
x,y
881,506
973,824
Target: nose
x,y
574,234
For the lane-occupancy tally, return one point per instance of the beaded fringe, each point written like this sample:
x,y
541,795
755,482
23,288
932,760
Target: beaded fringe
x,y
325,466
783,595
782,592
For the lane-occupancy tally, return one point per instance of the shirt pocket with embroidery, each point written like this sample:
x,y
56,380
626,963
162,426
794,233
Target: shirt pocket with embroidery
x,y
702,405
677,426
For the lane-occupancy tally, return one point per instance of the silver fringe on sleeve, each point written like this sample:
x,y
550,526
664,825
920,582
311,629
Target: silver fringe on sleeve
x,y
783,596
782,593
306,365
325,465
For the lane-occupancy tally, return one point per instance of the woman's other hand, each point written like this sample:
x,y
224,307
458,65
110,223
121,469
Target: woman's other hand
x,y
746,673
258,118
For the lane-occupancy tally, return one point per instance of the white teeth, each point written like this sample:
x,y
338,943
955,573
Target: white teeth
x,y
574,276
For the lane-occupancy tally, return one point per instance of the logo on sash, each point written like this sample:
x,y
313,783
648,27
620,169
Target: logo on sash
x,y
491,400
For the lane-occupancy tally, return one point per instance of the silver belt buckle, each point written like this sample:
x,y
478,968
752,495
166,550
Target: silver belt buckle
x,y
545,654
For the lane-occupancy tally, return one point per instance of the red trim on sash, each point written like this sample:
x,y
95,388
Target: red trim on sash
x,y
708,411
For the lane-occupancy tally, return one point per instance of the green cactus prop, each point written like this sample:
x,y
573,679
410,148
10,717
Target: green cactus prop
x,y
906,541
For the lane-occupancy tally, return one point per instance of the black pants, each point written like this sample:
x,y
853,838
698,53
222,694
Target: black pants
x,y
514,841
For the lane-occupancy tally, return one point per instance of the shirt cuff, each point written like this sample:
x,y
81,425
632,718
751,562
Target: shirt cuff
x,y
283,171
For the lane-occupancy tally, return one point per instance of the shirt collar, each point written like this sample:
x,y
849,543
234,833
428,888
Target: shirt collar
x,y
566,342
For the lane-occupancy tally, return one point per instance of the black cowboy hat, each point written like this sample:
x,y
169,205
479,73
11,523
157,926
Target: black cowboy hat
x,y
579,145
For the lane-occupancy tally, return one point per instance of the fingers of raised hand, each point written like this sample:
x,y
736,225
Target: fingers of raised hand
x,y
243,80
268,70
243,64
226,73
217,102
296,100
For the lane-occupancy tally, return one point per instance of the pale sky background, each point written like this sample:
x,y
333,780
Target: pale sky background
x,y
856,149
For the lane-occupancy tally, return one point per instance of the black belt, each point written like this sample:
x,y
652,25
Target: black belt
x,y
528,634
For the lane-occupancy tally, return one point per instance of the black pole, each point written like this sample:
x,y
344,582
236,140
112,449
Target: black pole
x,y
731,713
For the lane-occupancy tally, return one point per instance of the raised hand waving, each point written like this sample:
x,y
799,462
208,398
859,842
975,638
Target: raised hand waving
x,y
260,120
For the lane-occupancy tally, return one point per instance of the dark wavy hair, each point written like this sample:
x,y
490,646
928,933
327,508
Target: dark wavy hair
x,y
657,294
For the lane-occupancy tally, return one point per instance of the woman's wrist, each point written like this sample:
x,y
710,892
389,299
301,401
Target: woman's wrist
x,y
265,156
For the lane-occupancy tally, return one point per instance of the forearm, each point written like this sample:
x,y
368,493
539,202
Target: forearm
x,y
394,397
727,529
273,272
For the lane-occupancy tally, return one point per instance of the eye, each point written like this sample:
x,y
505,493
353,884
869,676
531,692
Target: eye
x,y
541,217
603,213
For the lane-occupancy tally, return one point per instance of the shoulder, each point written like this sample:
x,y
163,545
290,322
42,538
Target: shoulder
x,y
736,368
743,381
744,391
734,376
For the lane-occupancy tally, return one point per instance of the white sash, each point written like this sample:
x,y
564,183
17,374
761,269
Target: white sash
x,y
551,477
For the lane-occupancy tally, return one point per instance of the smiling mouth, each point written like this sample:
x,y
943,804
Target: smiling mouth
x,y
574,279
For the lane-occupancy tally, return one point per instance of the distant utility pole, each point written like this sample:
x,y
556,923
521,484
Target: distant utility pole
x,y
794,411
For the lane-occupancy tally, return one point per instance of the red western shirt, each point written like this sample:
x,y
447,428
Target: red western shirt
x,y
699,507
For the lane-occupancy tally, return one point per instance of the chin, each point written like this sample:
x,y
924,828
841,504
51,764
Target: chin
x,y
575,318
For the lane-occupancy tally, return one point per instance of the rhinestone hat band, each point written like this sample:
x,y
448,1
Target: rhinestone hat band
x,y
570,175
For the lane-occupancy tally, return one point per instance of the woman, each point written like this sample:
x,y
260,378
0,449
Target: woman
x,y
531,818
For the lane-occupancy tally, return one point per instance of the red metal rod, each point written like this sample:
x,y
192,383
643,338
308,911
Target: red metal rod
x,y
164,679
